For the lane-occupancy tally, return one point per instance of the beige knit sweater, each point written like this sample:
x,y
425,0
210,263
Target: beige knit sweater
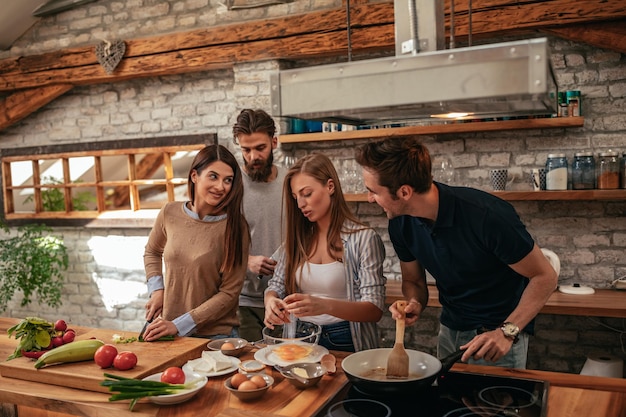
x,y
192,251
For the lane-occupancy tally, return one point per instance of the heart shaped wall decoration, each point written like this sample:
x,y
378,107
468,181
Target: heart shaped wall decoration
x,y
109,54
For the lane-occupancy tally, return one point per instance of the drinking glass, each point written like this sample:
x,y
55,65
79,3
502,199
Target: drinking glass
x,y
289,160
444,171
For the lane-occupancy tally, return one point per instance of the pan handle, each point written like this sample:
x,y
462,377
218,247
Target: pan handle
x,y
451,359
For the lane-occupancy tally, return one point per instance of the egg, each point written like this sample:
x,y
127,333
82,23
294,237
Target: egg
x,y
247,386
258,381
227,346
237,379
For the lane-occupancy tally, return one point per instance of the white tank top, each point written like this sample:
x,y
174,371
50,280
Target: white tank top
x,y
324,281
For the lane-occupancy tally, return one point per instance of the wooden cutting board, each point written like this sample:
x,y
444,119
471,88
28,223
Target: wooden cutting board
x,y
152,357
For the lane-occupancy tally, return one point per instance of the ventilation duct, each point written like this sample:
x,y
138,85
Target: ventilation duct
x,y
509,79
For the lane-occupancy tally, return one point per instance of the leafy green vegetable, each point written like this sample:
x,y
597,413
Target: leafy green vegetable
x,y
118,339
33,333
167,338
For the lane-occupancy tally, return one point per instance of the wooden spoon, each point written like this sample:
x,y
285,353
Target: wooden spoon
x,y
398,361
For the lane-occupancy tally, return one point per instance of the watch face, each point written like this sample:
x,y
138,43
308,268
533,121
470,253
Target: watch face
x,y
510,329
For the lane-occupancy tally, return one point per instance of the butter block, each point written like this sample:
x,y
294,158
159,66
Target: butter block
x,y
200,365
301,372
217,360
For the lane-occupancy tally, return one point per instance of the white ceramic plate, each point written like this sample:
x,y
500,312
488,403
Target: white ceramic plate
x,y
267,357
182,395
234,366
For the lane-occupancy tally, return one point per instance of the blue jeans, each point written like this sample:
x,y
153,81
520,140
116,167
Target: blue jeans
x,y
450,340
337,336
233,333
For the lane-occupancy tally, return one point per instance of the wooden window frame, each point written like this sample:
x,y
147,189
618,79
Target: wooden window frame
x,y
101,217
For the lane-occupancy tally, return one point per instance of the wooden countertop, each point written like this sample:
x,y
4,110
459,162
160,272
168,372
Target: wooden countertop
x,y
604,303
283,398
569,395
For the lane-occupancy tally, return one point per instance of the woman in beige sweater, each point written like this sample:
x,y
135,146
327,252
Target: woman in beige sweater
x,y
204,245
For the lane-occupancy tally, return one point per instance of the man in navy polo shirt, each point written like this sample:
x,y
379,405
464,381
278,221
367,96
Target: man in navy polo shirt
x,y
491,276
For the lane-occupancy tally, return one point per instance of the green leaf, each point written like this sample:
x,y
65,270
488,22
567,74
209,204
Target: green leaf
x,y
43,338
32,261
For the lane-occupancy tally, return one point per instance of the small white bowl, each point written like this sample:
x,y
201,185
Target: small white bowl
x,y
182,395
314,373
238,342
253,394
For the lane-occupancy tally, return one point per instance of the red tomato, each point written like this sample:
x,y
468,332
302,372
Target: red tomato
x,y
60,325
105,355
69,336
125,361
173,375
57,341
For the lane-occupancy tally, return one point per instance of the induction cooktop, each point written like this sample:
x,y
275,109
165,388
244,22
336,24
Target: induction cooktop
x,y
455,394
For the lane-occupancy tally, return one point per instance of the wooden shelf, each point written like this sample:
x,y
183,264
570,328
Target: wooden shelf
x,y
541,123
437,129
602,303
578,195
590,195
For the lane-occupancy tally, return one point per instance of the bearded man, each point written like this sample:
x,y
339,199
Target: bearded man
x,y
255,133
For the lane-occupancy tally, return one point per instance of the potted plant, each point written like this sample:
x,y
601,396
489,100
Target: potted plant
x,y
32,261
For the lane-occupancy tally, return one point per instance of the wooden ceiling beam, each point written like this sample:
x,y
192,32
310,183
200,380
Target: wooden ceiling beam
x,y
204,59
22,103
600,35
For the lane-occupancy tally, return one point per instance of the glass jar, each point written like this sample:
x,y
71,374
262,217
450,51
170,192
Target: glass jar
x,y
583,171
608,171
556,172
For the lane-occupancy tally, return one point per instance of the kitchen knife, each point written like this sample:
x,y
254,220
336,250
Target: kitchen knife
x,y
143,330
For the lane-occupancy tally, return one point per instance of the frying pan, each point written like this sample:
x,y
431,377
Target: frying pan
x,y
367,370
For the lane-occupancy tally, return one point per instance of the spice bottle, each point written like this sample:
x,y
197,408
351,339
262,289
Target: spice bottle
x,y
573,103
608,171
556,172
561,104
583,171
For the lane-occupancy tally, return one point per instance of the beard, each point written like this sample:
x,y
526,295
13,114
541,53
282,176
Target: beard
x,y
262,173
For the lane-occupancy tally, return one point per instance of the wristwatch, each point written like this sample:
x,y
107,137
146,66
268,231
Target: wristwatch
x,y
510,330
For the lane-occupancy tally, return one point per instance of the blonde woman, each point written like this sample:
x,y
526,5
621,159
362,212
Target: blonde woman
x,y
330,266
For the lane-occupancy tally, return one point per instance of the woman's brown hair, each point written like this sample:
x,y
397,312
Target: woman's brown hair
x,y
236,224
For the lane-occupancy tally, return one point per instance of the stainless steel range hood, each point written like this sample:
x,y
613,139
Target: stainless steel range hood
x,y
494,80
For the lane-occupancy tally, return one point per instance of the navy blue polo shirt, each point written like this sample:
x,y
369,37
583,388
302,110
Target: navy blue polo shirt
x,y
468,250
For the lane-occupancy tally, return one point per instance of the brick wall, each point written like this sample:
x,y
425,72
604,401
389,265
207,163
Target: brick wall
x,y
105,283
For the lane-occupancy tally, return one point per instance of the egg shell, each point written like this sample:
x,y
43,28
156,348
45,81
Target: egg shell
x,y
258,381
247,386
237,379
227,346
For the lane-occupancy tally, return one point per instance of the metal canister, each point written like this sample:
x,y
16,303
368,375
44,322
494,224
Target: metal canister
x,y
608,171
556,172
583,171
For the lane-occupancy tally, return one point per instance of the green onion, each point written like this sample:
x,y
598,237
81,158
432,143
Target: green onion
x,y
135,389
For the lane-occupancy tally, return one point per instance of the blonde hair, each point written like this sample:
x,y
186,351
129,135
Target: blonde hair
x,y
300,236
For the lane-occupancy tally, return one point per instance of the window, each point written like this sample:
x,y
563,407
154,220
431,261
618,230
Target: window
x,y
104,180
